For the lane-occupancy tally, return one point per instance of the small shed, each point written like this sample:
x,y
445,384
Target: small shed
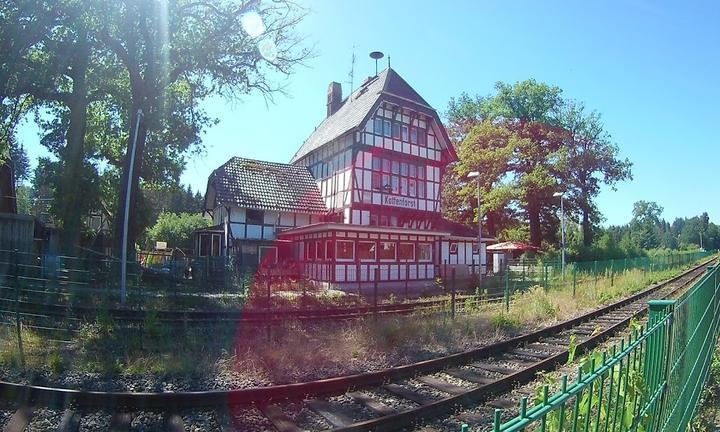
x,y
502,252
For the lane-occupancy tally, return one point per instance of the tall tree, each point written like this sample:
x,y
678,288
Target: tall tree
x,y
646,217
530,110
193,49
590,160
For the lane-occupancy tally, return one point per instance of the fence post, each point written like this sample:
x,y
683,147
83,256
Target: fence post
x,y
375,288
544,276
507,288
659,350
18,324
574,278
267,305
407,276
452,293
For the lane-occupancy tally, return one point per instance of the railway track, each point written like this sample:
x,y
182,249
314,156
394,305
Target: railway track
x,y
389,399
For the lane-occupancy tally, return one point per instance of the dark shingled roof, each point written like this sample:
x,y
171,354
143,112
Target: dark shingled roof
x,y
355,109
255,184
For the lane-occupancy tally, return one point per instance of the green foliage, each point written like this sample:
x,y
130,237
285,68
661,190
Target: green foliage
x,y
177,229
504,321
86,67
527,142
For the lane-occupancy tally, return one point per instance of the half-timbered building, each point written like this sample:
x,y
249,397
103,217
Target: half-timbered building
x,y
250,201
377,161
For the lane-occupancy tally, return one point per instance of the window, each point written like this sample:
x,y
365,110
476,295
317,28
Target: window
x,y
411,188
378,126
404,132
421,189
329,250
387,251
404,169
385,182
413,134
453,248
254,217
425,250
268,255
395,167
396,131
383,220
345,250
413,171
386,165
387,128
376,163
320,251
395,184
376,180
421,138
403,186
373,219
406,252
421,172
310,251
366,251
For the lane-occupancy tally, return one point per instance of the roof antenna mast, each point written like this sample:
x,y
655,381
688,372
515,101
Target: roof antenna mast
x,y
388,62
351,75
377,55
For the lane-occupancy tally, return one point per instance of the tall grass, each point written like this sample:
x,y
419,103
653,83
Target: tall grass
x,y
295,351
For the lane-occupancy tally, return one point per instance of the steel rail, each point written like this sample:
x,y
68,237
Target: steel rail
x,y
63,397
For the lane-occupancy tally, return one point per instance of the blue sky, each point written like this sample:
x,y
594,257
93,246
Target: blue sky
x,y
650,68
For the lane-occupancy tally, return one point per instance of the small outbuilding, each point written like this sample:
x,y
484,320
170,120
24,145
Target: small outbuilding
x,y
505,251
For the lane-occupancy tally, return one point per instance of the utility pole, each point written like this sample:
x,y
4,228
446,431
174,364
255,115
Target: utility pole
x,y
123,256
562,229
473,174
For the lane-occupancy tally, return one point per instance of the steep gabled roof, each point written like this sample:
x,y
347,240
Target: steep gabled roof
x,y
255,184
356,109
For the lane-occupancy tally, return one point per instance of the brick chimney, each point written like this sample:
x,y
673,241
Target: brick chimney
x,y
334,98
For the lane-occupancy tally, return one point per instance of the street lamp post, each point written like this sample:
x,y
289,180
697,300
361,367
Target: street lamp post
x,y
562,229
123,255
473,174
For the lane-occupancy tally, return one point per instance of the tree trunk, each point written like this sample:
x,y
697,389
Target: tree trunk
x,y
586,228
71,199
533,213
120,217
8,201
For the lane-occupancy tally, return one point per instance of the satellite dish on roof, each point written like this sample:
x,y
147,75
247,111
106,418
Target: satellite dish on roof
x,y
376,55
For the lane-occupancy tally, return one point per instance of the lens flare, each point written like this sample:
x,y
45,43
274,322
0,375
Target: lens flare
x,y
268,49
253,24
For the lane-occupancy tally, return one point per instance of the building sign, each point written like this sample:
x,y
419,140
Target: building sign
x,y
160,245
399,201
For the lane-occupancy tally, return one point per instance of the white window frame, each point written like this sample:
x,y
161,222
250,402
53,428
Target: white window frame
x,y
406,259
420,258
394,258
453,248
260,253
352,250
374,258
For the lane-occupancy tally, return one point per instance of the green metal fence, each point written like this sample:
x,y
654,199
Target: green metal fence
x,y
519,276
650,381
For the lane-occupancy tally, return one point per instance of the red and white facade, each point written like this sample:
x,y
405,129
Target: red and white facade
x,y
378,160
